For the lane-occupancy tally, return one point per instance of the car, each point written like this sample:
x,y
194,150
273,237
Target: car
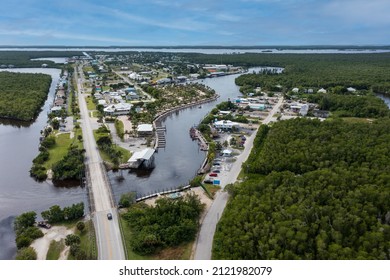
x,y
109,216
216,171
216,164
213,175
208,181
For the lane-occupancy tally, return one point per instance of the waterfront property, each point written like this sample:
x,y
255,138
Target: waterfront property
x,y
145,130
144,158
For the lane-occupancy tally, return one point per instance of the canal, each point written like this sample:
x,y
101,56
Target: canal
x,y
180,160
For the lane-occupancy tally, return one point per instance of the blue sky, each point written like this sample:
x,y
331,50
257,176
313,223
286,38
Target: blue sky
x,y
201,22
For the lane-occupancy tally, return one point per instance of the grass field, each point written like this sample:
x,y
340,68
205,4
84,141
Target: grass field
x,y
90,105
55,249
61,147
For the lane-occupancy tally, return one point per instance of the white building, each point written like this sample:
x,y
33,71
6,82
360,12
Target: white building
x,y
225,124
322,90
145,129
118,109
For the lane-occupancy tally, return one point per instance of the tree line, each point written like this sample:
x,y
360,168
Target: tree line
x,y
315,190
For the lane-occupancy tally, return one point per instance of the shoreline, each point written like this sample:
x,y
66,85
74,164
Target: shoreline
x,y
165,114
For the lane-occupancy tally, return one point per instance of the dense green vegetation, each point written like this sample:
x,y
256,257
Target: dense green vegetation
x,y
22,95
23,58
71,166
363,71
26,232
315,190
110,152
351,105
56,214
170,223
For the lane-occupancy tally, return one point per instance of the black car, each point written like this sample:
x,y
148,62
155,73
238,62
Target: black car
x,y
109,216
208,181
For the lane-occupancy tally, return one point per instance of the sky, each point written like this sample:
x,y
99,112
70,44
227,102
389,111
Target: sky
x,y
199,23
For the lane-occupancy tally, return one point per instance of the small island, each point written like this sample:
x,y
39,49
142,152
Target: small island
x,y
22,95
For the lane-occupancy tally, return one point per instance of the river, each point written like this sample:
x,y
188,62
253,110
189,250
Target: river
x,y
18,191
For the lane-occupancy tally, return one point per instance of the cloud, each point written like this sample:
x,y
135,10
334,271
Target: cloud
x,y
373,12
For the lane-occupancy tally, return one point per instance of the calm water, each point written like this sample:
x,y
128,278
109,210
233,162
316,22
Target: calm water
x,y
18,191
181,159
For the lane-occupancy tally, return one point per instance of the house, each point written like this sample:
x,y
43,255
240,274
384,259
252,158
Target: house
x,y
145,130
321,90
304,109
259,107
102,102
144,158
118,109
295,90
225,124
132,96
56,109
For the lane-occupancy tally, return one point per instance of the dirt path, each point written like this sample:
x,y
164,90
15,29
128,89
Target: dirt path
x,y
41,245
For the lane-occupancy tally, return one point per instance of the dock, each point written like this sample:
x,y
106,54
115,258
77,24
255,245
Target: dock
x,y
196,134
160,137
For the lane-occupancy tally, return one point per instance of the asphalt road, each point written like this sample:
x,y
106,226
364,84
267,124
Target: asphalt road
x,y
206,234
109,241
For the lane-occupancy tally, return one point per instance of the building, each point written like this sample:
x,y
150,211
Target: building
x,y
118,109
224,124
304,109
322,90
132,96
259,107
145,130
144,158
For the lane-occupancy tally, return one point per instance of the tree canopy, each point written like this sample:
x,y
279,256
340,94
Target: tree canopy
x,y
315,190
170,223
22,94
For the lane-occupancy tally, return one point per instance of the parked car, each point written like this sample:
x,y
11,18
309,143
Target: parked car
x,y
216,164
216,171
109,216
208,181
213,175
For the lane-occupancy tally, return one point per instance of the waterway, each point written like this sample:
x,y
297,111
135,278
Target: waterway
x,y
180,160
19,192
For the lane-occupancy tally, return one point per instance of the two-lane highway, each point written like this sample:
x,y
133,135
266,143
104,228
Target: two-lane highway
x,y
110,246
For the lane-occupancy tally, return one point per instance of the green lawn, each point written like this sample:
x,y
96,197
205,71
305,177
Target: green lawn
x,y
61,147
90,105
55,249
59,150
